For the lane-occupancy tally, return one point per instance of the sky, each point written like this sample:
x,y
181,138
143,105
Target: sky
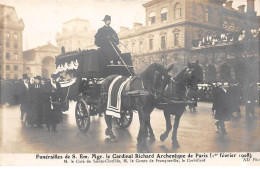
x,y
44,18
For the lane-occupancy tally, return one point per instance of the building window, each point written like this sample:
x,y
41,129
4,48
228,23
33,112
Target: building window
x,y
151,18
133,47
0,55
141,46
164,14
7,76
194,10
7,35
177,11
208,14
7,44
7,56
0,44
15,36
176,39
151,44
175,56
15,45
15,67
200,12
0,67
163,42
126,47
7,67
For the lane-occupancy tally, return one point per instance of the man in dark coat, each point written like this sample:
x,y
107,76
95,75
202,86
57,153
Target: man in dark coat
x,y
234,95
53,99
35,100
221,108
106,38
23,90
251,93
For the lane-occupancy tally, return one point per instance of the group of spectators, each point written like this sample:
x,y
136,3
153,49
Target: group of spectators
x,y
226,37
40,98
205,91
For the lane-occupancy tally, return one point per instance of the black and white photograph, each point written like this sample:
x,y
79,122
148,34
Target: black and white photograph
x,y
129,82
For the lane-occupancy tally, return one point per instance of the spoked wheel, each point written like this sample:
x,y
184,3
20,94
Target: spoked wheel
x,y
125,120
82,116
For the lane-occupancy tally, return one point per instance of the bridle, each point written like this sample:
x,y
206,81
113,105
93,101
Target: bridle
x,y
188,83
157,93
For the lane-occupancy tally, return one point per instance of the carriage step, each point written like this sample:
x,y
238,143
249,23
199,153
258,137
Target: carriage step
x,y
138,93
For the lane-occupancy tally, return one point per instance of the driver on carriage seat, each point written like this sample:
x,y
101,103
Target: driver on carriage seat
x,y
107,39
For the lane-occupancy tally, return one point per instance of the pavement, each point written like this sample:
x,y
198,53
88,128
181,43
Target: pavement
x,y
197,133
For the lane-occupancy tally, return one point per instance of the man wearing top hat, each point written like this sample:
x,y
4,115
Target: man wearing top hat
x,y
106,38
23,89
35,96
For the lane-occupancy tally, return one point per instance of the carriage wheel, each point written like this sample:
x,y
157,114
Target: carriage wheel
x,y
125,120
82,116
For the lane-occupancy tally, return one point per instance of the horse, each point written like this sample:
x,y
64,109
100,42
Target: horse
x,y
146,89
175,94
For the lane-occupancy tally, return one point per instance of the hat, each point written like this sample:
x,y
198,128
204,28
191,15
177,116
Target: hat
x,y
25,76
54,76
107,17
38,77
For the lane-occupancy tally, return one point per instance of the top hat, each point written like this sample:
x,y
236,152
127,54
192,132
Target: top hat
x,y
38,77
25,76
107,18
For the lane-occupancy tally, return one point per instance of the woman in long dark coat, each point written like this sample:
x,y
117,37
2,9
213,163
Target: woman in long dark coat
x,y
221,108
53,103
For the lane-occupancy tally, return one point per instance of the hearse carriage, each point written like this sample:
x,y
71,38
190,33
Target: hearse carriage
x,y
81,74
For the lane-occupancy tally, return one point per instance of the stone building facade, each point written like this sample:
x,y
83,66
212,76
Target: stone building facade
x,y
172,25
76,33
11,43
40,61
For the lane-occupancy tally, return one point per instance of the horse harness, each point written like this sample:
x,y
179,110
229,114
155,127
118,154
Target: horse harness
x,y
142,91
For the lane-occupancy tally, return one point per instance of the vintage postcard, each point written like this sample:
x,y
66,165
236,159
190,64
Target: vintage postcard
x,y
129,82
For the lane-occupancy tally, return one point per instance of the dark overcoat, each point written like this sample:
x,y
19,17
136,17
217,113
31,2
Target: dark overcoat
x,y
221,104
35,104
251,93
53,99
234,95
107,39
23,96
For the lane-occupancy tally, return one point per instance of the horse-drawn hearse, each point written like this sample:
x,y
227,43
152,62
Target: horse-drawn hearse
x,y
90,82
81,73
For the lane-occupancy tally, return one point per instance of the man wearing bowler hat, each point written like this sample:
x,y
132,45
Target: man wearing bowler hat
x,y
107,39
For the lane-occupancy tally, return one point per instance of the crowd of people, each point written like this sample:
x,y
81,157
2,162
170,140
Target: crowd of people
x,y
225,38
40,99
